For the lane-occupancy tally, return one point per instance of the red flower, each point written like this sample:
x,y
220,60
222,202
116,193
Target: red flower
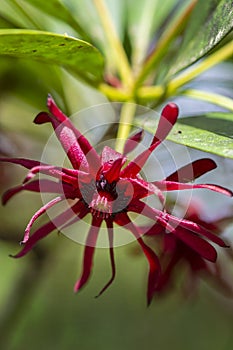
x,y
108,190
177,253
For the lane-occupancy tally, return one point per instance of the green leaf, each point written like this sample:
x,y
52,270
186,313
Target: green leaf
x,y
58,10
144,19
210,22
212,132
75,55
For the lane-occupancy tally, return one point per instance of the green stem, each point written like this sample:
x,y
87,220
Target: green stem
x,y
149,93
114,94
216,99
115,44
126,120
170,33
218,56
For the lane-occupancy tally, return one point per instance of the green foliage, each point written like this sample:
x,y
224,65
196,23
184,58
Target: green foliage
x,y
142,45
76,55
209,23
212,132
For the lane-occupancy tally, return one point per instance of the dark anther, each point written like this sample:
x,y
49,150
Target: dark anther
x,y
103,185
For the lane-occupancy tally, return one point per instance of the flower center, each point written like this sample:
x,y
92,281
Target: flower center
x,y
100,206
102,185
102,201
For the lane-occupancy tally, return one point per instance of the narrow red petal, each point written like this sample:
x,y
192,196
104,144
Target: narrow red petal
x,y
87,149
42,186
154,265
112,260
168,118
37,236
67,138
176,186
192,171
40,212
26,163
143,188
135,166
132,142
36,167
89,253
80,211
53,108
199,245
113,173
42,118
44,230
136,206
170,222
195,227
57,172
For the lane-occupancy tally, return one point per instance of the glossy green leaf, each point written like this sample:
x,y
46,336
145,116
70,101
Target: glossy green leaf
x,y
75,55
212,133
210,22
58,10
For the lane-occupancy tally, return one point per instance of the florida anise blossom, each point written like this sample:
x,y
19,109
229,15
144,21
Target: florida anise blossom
x,y
108,188
177,255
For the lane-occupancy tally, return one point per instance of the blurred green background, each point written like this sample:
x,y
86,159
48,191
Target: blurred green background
x,y
38,308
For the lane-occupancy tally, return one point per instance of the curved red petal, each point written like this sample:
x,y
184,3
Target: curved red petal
x,y
167,119
57,172
122,219
67,138
40,212
195,227
132,142
176,186
112,174
41,186
85,146
112,259
44,230
170,222
89,253
26,163
198,244
193,170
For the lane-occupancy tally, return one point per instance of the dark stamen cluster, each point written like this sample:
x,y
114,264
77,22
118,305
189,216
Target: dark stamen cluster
x,y
103,185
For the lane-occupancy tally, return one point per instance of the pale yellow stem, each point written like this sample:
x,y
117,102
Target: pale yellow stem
x,y
216,99
126,120
149,93
115,44
114,94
